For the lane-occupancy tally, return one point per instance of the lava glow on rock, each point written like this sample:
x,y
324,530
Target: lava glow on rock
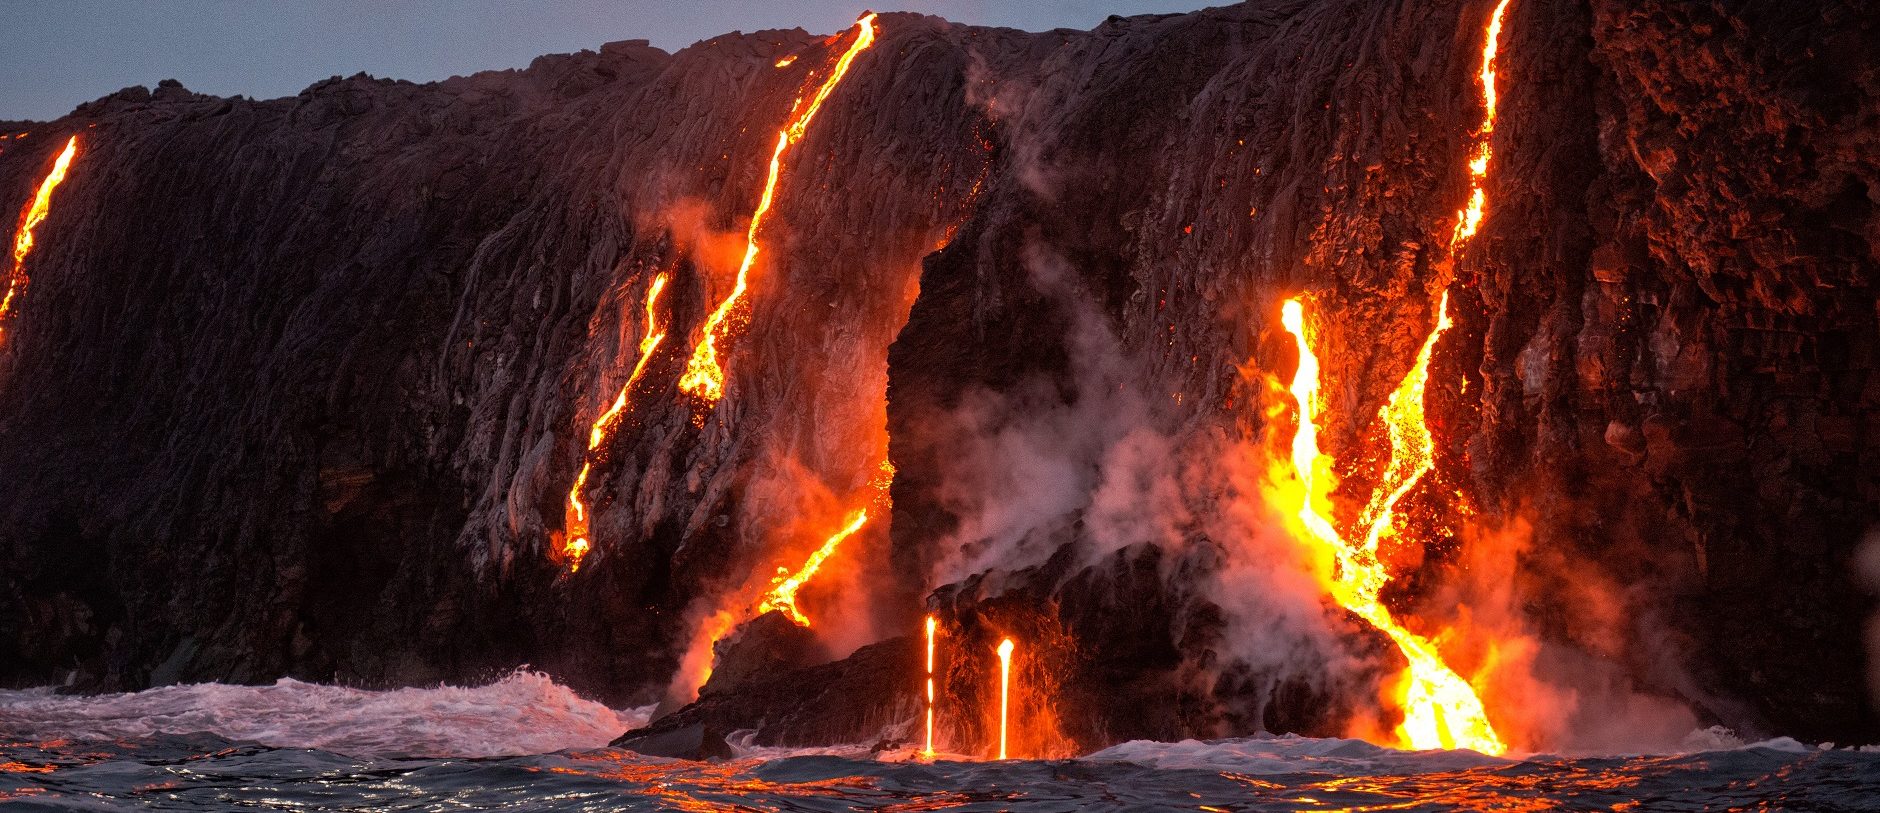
x,y
1469,220
1441,710
704,377
30,218
782,595
575,537
556,366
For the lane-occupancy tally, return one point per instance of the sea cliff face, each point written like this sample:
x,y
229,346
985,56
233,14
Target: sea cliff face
x,y
300,386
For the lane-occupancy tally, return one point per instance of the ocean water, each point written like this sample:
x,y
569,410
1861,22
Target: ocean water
x,y
525,743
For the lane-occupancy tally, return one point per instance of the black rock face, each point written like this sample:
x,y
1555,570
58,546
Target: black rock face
x,y
301,385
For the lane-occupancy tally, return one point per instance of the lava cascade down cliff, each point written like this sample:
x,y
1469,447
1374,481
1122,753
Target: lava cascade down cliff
x,y
301,386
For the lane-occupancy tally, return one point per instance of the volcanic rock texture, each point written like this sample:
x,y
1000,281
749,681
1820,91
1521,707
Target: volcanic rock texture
x,y
300,385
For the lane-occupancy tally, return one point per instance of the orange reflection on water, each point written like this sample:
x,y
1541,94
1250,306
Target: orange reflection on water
x,y
21,767
729,785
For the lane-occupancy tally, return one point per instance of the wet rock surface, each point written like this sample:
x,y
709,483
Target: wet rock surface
x,y
853,700
301,384
695,741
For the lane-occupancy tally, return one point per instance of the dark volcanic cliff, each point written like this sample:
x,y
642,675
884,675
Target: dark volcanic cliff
x,y
300,385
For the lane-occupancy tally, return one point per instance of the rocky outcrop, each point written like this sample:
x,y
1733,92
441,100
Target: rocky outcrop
x,y
857,699
301,384
1661,357
1676,368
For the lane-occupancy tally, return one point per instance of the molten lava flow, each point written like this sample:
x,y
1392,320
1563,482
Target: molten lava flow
x,y
575,524
1470,218
704,378
1005,690
782,596
932,629
1440,709
30,218
1412,447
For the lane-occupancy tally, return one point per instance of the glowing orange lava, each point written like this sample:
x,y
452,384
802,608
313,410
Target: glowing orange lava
x,y
1412,447
704,378
1470,218
1005,690
30,218
575,524
782,595
932,630
1440,709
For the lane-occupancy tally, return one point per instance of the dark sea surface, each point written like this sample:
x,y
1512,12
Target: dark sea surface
x,y
527,744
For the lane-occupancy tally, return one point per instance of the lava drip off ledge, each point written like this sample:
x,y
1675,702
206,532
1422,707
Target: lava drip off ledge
x,y
302,383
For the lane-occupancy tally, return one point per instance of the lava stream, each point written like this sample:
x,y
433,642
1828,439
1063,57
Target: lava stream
x,y
1005,690
1440,709
704,378
1469,220
782,595
932,630
1412,447
30,218
575,523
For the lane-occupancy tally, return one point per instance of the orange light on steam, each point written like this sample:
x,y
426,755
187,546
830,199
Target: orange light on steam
x,y
704,378
1441,710
575,543
782,596
30,218
933,628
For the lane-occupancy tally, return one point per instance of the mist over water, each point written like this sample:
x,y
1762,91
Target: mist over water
x,y
525,742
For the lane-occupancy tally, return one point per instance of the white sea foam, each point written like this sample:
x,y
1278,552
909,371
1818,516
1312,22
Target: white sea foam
x,y
1294,754
524,713
1290,754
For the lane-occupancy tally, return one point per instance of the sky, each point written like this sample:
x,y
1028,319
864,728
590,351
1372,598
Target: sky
x,y
55,54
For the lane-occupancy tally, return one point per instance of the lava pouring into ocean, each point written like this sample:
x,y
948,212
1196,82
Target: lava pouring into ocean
x,y
1005,691
704,377
30,218
575,536
1441,710
933,629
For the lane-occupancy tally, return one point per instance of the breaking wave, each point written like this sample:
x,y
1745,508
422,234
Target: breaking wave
x,y
527,743
524,713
